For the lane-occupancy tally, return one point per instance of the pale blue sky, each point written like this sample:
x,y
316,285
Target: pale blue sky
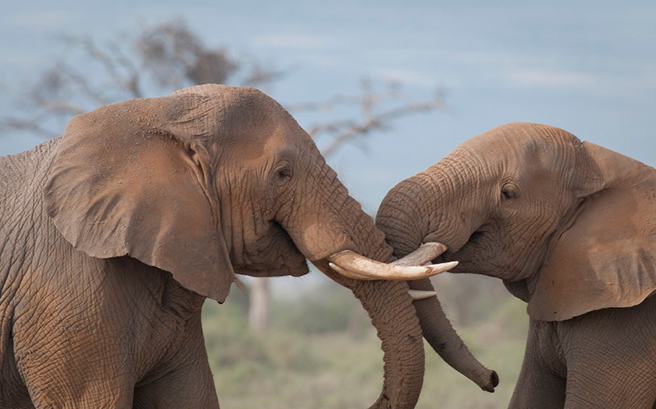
x,y
586,66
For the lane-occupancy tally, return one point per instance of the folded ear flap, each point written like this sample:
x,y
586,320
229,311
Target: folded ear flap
x,y
124,182
607,258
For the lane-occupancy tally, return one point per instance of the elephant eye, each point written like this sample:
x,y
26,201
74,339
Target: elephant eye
x,y
283,173
508,191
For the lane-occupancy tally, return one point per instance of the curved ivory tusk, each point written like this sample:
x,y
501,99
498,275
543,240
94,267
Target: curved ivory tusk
x,y
425,253
350,274
353,265
420,295
241,286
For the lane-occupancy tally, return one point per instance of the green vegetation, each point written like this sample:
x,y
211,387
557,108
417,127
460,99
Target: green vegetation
x,y
322,352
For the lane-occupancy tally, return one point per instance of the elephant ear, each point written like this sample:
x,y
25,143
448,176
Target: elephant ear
x,y
607,257
133,179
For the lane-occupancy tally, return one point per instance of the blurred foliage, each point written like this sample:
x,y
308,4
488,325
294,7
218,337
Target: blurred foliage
x,y
328,309
318,353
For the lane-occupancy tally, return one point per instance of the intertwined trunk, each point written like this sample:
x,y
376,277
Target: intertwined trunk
x,y
390,308
406,215
391,311
340,224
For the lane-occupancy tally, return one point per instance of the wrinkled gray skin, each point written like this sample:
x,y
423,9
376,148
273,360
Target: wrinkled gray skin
x,y
568,226
113,235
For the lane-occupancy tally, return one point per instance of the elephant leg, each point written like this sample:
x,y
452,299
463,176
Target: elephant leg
x,y
606,380
611,357
184,380
541,382
71,373
59,391
582,393
13,393
189,386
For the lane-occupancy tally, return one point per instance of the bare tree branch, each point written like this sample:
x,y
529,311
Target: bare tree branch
x,y
378,109
326,105
161,58
170,56
30,125
260,77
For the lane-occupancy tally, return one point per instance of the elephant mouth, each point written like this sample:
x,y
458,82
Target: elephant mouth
x,y
476,237
456,250
266,257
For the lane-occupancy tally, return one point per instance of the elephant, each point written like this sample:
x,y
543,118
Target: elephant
x,y
113,235
569,227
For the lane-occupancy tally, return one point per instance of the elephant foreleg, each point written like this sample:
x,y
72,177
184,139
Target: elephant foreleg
x,y
189,386
611,357
609,381
541,382
184,380
65,372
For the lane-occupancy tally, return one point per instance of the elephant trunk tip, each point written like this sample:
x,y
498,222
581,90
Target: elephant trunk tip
x,y
488,381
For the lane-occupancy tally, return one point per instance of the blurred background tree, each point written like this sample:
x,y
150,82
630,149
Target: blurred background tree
x,y
156,61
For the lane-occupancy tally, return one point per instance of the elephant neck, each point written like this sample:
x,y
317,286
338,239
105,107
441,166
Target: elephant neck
x,y
523,288
519,289
179,301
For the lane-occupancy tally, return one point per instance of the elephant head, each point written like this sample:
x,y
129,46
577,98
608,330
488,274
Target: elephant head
x,y
565,224
214,181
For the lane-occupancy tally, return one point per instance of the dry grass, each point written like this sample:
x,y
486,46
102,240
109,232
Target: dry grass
x,y
287,368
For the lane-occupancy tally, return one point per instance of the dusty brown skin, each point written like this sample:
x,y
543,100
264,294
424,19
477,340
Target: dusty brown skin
x,y
569,226
113,235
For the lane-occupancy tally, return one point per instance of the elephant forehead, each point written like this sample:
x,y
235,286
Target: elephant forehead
x,y
270,143
239,123
523,146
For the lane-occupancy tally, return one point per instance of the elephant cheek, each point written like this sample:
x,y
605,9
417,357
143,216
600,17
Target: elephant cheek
x,y
274,255
292,262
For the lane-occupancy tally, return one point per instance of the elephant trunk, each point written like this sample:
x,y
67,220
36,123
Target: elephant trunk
x,y
406,222
390,308
439,333
391,312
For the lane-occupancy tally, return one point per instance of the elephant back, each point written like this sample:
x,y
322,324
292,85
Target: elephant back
x,y
22,179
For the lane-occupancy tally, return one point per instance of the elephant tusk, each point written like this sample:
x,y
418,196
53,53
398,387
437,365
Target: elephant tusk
x,y
358,267
420,295
350,274
425,253
241,286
